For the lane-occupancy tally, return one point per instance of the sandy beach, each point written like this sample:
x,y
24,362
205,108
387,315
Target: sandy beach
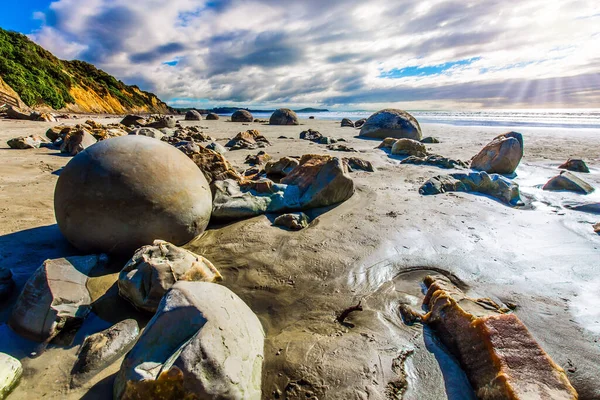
x,y
376,248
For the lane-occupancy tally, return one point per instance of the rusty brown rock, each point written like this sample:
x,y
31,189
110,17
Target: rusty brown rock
x,y
76,141
281,167
499,355
213,165
501,156
575,164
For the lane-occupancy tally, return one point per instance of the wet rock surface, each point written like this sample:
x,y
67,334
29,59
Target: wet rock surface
x,y
391,123
493,185
501,156
568,182
54,297
155,268
7,284
205,338
500,357
101,349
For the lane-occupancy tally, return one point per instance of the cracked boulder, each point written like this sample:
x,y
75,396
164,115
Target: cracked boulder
x,y
154,269
54,297
203,342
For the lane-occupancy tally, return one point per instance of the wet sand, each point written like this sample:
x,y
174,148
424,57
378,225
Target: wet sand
x,y
375,247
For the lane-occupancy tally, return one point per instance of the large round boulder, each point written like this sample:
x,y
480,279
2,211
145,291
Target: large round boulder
x,y
193,115
391,123
125,192
212,117
500,156
283,116
242,116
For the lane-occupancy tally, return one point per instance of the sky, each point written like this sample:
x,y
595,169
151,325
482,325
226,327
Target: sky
x,y
336,54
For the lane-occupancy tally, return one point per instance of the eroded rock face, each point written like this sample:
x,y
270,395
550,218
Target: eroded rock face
x,y
203,342
409,147
360,122
26,142
501,156
133,120
292,221
149,132
212,164
355,163
311,135
101,349
193,115
391,123
281,167
346,122
493,185
242,116
568,182
54,296
163,121
250,139
259,159
154,269
499,355
105,203
76,141
283,116
212,116
10,374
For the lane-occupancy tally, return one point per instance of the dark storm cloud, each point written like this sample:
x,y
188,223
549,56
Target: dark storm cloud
x,y
158,53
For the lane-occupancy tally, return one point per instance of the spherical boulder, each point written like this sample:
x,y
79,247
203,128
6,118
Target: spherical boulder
x,y
193,115
212,116
283,116
242,116
391,123
123,193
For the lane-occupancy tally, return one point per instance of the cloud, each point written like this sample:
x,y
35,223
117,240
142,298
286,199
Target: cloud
x,y
340,53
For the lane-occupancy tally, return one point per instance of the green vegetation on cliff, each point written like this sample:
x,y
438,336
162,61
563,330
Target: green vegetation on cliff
x,y
42,79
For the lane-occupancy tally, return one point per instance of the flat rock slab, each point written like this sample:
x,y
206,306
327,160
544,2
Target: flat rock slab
x,y
568,182
10,373
203,342
500,357
54,295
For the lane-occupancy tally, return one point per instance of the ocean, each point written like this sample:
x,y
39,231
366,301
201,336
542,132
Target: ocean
x,y
550,118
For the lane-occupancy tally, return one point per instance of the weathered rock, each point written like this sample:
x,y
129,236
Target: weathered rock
x,y
155,268
575,164
317,181
360,122
341,147
56,132
258,159
212,116
163,121
214,146
501,156
150,132
26,142
596,227
43,117
292,221
326,140
312,135
242,116
203,342
76,141
500,357
311,117
346,122
250,139
193,115
212,164
355,163
429,140
17,113
322,181
108,133
7,284
568,182
391,123
105,202
133,120
493,185
54,296
435,160
281,167
93,124
409,147
283,116
101,349
10,374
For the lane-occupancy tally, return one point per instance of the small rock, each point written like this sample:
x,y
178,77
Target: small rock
x,y
596,227
355,163
101,349
153,269
575,164
360,122
163,121
77,141
292,221
26,142
311,134
569,182
281,167
340,147
147,131
409,147
430,140
7,284
311,117
10,374
133,120
435,160
325,140
258,159
250,139
387,143
214,146
346,122
212,117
